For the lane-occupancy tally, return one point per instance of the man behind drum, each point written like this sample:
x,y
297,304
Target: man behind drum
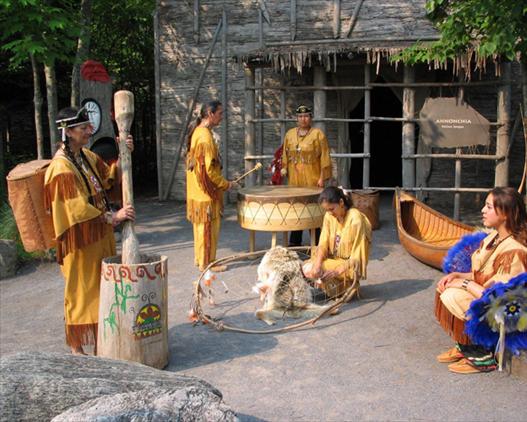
x,y
305,159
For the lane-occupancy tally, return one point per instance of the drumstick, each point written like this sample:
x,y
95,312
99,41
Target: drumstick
x,y
256,167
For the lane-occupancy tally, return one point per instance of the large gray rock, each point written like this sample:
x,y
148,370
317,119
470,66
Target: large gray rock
x,y
39,386
8,258
184,404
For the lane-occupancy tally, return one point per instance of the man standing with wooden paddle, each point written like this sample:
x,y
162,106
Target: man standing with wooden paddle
x,y
205,184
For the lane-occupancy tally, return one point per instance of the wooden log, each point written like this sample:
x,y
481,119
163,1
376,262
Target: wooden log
x,y
224,95
501,177
196,21
319,98
293,20
408,137
336,18
367,127
159,149
250,147
124,115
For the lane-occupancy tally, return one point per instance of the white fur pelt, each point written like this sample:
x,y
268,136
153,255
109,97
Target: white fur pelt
x,y
283,287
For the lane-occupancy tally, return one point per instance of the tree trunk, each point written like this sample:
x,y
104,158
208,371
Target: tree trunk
x,y
83,49
51,94
37,104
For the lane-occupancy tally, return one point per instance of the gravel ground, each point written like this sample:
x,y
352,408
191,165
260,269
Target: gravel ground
x,y
373,361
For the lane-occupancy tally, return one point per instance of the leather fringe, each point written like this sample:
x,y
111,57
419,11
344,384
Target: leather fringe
x,y
454,327
504,260
205,183
208,239
81,334
202,212
79,236
62,187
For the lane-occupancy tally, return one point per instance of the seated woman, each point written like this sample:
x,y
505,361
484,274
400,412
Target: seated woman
x,y
501,256
342,253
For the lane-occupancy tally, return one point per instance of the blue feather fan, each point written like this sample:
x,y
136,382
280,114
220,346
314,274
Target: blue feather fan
x,y
503,303
458,258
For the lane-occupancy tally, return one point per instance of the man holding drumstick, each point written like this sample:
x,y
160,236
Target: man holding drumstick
x,y
305,159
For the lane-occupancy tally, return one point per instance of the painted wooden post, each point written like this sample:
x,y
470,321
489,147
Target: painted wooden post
x,y
408,138
367,128
319,97
225,96
250,146
124,115
501,177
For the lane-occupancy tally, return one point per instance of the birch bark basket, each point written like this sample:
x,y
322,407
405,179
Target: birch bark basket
x,y
133,323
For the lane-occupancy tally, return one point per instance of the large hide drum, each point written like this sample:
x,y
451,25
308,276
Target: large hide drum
x,y
279,208
25,184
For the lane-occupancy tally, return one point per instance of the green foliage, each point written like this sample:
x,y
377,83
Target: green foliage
x,y
491,28
38,27
122,38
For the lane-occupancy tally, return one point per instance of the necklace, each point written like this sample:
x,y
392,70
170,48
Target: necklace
x,y
496,241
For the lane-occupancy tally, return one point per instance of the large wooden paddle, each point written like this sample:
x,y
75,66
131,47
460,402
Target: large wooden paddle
x,y
124,115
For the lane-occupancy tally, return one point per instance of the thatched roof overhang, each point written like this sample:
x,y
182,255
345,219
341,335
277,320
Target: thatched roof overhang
x,y
306,53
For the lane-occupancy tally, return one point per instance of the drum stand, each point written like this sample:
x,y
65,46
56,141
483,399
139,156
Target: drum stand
x,y
285,239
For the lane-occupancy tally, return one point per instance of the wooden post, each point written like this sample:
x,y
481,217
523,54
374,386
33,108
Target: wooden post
x,y
196,21
250,147
260,115
336,18
367,127
501,177
457,171
225,96
319,97
124,115
293,20
159,149
282,115
260,28
408,138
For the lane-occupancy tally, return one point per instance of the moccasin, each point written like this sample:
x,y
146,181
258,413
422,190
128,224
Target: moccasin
x,y
463,367
452,355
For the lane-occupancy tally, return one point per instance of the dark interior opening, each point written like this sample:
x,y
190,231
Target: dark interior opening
x,y
385,140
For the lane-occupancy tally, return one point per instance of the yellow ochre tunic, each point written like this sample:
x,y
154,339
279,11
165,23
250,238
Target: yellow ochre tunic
x,y
345,244
205,187
489,265
83,237
306,158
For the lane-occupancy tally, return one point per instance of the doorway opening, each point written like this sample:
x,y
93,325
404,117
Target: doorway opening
x,y
385,140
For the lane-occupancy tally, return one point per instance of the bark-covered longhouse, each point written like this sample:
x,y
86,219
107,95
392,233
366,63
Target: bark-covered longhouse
x,y
323,43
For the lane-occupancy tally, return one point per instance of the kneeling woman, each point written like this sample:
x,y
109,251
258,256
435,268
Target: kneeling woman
x,y
342,253
501,256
